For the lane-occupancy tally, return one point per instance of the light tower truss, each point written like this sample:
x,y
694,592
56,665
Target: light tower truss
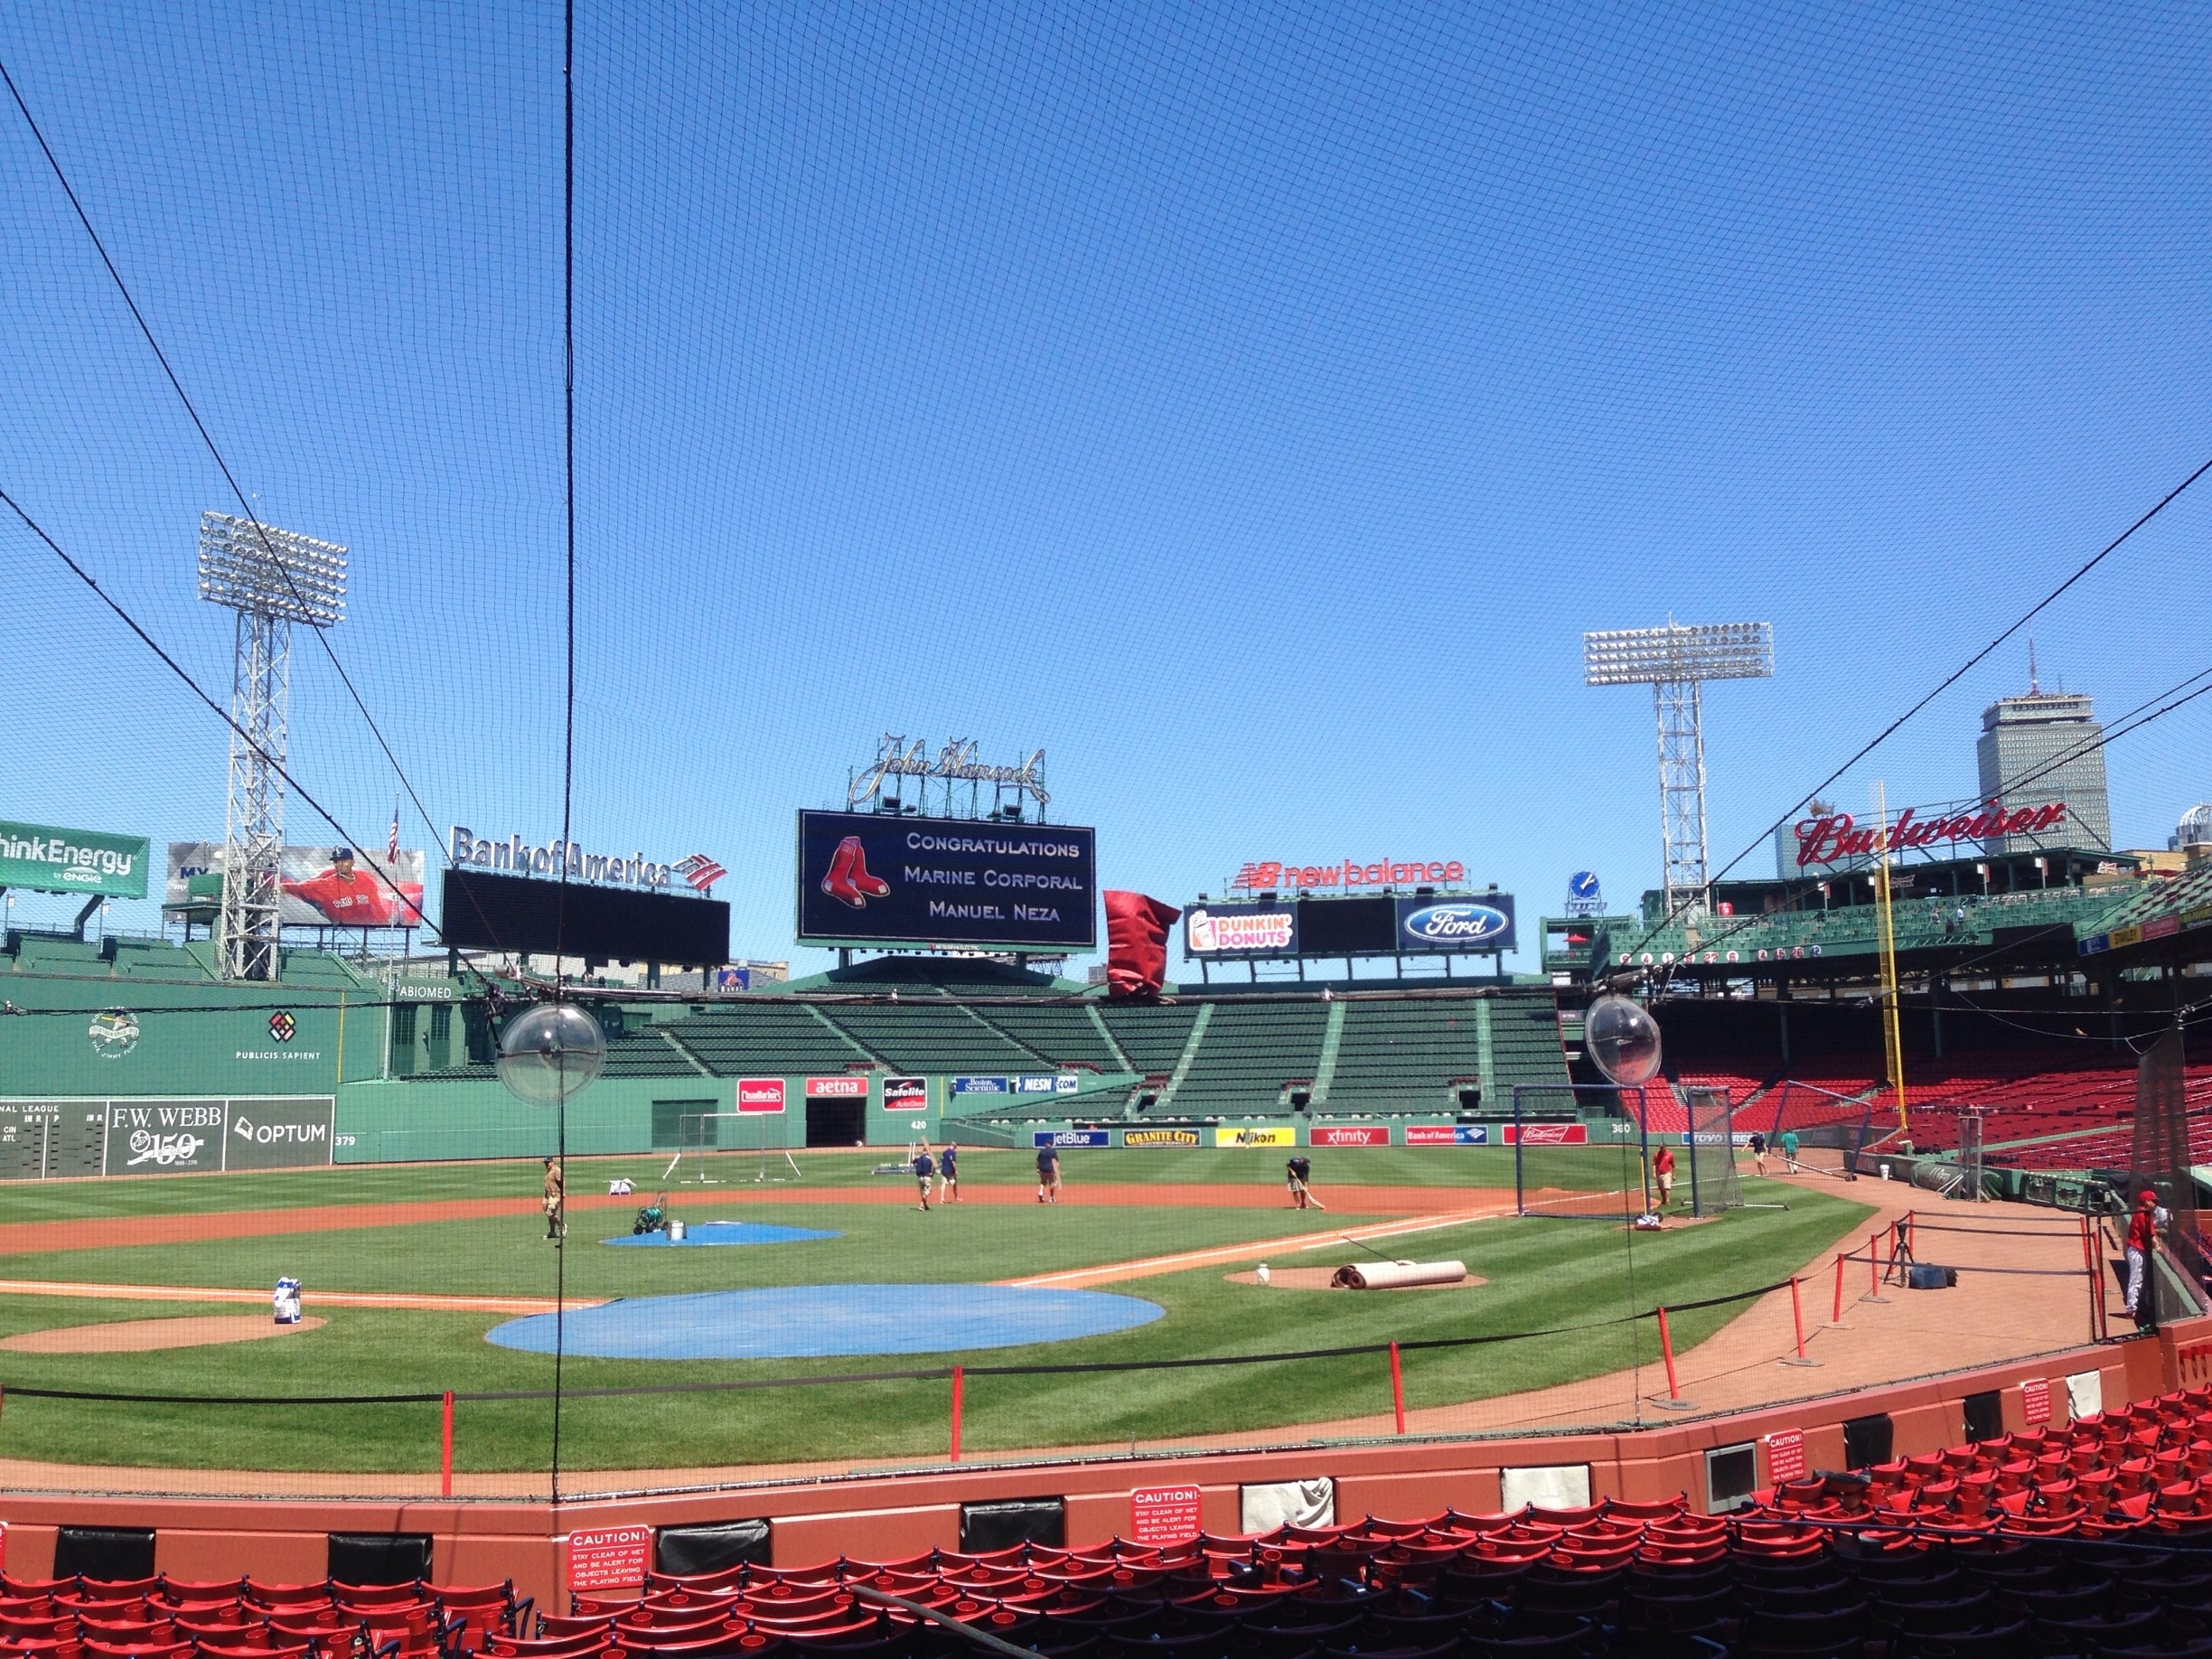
x,y
271,579
1675,661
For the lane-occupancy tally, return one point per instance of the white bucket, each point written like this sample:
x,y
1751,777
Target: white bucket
x,y
676,1232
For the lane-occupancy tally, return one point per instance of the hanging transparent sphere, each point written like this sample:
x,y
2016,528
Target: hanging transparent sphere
x,y
1622,1040
551,1054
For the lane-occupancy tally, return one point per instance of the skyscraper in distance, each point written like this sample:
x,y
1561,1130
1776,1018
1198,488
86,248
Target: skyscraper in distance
x,y
2041,748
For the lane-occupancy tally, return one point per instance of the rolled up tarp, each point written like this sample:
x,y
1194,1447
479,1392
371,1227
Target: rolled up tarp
x,y
1397,1275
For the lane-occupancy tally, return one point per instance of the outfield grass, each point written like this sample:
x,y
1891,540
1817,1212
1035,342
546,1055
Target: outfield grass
x,y
1542,1274
193,1195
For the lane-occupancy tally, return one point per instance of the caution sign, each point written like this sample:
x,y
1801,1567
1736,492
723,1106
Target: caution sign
x,y
1163,1515
1785,1456
609,1557
2035,1400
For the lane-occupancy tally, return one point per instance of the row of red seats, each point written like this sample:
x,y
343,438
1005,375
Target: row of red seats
x,y
166,1617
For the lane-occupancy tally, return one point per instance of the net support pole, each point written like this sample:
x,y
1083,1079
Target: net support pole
x,y
446,1446
1797,1321
959,1378
1520,1188
1674,1402
1397,1388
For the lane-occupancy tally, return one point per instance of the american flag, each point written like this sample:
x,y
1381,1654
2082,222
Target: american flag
x,y
391,841
700,871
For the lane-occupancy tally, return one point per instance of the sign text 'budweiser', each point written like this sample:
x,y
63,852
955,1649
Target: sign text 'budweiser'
x,y
1836,837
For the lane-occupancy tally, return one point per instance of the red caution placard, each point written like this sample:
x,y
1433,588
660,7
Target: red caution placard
x,y
611,1558
1785,1456
2035,1400
1163,1515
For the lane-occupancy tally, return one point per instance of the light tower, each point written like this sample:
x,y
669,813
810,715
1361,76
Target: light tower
x,y
272,578
1675,661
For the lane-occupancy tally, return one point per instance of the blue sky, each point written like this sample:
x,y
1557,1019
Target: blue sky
x,y
1249,405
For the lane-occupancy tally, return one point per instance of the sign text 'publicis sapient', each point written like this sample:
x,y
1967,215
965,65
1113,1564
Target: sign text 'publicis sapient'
x,y
865,876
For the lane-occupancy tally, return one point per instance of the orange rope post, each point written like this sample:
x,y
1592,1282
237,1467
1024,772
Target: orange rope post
x,y
1837,1316
960,1376
1797,1319
446,1447
1666,1347
1397,1389
1874,1270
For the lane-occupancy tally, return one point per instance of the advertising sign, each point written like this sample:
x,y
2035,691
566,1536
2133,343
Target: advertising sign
x,y
878,878
906,1094
1159,1138
41,859
1261,875
322,886
1045,1082
761,1093
1239,930
978,1085
1072,1138
1547,1134
609,1557
1350,1135
1785,1456
836,1088
1450,926
1585,896
1255,1135
276,1134
1431,1134
1163,1515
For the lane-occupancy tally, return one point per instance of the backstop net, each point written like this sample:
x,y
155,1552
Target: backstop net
x,y
1706,1181
725,1148
2161,1155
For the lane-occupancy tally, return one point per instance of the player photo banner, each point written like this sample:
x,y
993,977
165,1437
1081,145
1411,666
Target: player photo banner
x,y
322,886
871,877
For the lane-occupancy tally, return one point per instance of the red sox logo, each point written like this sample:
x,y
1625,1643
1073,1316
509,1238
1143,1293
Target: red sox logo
x,y
848,881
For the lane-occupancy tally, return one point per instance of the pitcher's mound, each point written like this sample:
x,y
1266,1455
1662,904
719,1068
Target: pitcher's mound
x,y
139,1336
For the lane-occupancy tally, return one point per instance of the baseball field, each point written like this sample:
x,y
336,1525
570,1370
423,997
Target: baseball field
x,y
429,1279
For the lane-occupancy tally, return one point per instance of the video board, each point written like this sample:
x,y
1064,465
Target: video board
x,y
484,912
883,878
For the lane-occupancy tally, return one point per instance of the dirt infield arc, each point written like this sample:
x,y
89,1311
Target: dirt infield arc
x,y
108,1231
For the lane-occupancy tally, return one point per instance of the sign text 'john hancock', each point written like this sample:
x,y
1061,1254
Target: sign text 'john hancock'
x,y
871,877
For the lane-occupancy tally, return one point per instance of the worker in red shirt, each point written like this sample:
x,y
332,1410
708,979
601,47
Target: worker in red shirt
x,y
2142,1235
1662,1168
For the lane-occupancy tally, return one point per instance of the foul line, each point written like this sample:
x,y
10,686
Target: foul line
x,y
323,1299
1148,1267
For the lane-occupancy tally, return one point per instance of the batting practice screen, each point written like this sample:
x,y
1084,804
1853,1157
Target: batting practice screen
x,y
876,878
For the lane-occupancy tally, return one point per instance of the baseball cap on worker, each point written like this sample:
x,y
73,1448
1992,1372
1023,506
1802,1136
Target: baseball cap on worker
x,y
2147,1199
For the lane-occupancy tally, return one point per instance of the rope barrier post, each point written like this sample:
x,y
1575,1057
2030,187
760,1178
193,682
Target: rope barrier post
x,y
446,1446
960,1377
1674,1402
1797,1319
1837,1316
1874,1270
1397,1389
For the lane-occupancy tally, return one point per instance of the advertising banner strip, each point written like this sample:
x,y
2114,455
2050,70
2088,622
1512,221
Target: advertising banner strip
x,y
1255,1135
1431,1134
836,1088
1072,1138
871,877
1547,1134
42,859
1159,1138
979,1086
184,1135
760,1095
1350,1135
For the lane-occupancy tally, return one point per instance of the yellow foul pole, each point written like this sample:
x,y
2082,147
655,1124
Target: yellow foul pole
x,y
1893,1036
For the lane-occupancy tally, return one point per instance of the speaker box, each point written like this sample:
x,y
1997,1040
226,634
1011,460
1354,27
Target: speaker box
x,y
985,1527
114,1552
379,1557
712,1547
